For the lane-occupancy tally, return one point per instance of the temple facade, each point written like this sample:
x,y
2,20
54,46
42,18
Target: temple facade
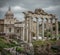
x,y
31,26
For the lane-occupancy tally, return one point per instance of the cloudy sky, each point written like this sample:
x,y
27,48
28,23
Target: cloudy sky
x,y
18,6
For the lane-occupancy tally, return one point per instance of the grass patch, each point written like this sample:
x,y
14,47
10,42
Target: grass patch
x,y
40,42
20,49
5,44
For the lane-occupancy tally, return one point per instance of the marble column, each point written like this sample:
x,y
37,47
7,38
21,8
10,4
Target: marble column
x,y
47,23
56,23
30,31
20,32
26,29
51,30
42,28
23,34
37,28
47,27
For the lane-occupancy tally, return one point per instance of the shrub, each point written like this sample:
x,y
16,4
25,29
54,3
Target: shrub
x,y
19,49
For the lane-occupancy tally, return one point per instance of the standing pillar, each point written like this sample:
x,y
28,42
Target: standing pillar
x,y
23,34
20,32
51,30
56,24
42,28
26,29
30,30
37,29
47,27
47,24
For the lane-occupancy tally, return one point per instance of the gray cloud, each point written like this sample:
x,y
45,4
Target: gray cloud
x,y
51,6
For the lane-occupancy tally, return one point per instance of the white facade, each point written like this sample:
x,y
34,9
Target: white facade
x,y
9,22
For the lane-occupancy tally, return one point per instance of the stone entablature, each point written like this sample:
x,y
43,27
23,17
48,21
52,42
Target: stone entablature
x,y
19,24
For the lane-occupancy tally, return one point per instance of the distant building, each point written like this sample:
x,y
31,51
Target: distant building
x,y
2,27
11,27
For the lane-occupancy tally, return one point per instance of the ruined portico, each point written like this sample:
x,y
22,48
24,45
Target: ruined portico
x,y
38,14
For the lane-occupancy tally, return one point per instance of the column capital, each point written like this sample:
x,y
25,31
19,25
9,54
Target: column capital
x,y
42,18
51,18
31,17
46,19
36,17
27,16
56,18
